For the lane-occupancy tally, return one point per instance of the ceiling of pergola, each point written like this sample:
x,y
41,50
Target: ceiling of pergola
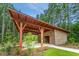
x,y
32,24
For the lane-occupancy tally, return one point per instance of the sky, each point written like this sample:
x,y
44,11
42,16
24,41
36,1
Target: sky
x,y
31,9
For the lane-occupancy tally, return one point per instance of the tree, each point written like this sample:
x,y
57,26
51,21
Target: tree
x,y
5,21
63,15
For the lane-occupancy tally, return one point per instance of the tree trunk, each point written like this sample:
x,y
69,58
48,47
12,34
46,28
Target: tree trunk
x,y
3,27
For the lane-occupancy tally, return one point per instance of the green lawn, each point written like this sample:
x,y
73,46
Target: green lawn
x,y
58,52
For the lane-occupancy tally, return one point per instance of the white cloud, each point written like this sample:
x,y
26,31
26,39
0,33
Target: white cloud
x,y
34,7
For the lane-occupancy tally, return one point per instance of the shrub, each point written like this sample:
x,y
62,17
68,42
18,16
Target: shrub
x,y
71,40
28,39
8,43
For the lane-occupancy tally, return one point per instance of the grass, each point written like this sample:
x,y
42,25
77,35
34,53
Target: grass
x,y
58,52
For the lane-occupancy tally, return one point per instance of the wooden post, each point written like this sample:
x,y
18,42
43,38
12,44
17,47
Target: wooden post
x,y
20,36
42,36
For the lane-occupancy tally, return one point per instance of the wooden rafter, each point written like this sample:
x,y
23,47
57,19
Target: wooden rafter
x,y
31,20
24,27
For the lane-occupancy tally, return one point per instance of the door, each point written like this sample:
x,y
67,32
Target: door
x,y
47,39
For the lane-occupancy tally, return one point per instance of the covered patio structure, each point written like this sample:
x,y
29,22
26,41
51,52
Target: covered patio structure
x,y
48,33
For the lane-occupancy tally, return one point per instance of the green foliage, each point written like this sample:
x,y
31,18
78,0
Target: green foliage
x,y
29,38
8,36
8,43
71,40
6,48
6,22
74,34
63,15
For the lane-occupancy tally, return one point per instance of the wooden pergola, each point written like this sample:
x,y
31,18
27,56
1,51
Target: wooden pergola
x,y
25,23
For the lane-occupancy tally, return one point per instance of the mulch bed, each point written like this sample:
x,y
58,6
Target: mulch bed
x,y
35,52
24,52
71,45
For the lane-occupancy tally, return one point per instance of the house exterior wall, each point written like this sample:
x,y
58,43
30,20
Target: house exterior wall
x,y
56,37
51,36
60,37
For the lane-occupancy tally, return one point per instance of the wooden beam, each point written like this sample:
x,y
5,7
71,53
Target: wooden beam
x,y
32,24
20,42
24,27
17,24
42,36
29,29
